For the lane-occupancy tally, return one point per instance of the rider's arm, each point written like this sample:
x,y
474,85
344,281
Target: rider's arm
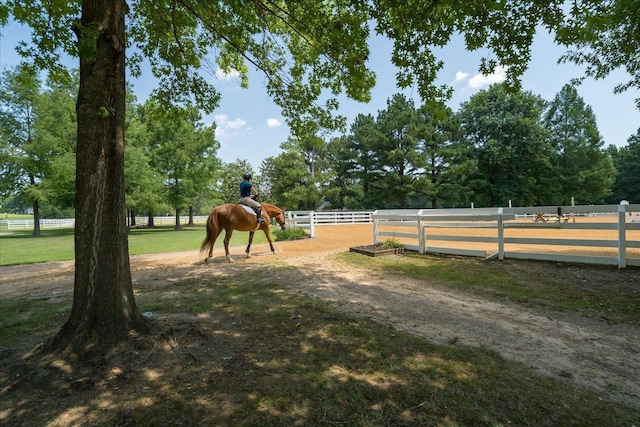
x,y
254,191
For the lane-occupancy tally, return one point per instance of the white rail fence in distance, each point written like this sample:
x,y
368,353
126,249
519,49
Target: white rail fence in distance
x,y
608,234
309,219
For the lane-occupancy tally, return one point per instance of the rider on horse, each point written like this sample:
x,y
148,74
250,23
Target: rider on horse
x,y
247,191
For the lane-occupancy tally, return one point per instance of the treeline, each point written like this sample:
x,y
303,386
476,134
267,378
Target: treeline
x,y
500,146
171,155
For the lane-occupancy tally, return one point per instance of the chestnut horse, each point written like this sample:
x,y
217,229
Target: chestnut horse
x,y
232,216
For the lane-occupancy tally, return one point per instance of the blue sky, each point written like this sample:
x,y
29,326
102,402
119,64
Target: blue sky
x,y
249,124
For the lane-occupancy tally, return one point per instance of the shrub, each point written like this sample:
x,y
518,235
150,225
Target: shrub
x,y
391,244
293,233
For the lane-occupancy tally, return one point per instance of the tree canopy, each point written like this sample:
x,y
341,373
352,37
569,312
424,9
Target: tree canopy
x,y
37,129
583,170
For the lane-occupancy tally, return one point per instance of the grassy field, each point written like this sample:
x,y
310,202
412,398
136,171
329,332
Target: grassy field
x,y
56,244
10,216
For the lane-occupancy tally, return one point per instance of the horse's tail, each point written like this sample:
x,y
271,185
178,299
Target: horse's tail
x,y
213,227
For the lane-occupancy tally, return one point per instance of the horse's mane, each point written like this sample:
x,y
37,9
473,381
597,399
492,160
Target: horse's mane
x,y
270,206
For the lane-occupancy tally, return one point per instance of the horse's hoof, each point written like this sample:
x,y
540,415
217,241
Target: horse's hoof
x,y
229,259
248,255
206,260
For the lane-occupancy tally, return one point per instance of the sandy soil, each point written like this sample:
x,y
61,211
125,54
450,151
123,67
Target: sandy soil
x,y
578,350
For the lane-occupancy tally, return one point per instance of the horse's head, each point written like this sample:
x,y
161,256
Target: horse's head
x,y
281,219
277,214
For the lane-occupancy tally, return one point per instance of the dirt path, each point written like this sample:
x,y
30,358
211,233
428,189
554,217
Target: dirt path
x,y
579,350
576,349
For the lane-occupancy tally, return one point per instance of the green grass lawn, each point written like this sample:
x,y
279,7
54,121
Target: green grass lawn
x,y
12,217
56,244
15,217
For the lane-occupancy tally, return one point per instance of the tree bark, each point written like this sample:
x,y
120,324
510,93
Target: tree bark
x,y
104,310
36,219
36,209
177,225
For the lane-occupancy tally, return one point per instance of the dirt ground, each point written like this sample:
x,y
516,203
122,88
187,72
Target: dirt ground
x,y
583,351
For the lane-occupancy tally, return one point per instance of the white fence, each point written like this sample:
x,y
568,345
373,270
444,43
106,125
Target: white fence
x,y
70,222
606,234
142,221
26,224
302,219
309,219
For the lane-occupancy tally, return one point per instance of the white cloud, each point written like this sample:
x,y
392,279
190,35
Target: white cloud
x,y
480,80
226,128
227,75
273,123
460,76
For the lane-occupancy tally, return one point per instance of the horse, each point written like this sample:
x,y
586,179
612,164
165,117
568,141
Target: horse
x,y
232,216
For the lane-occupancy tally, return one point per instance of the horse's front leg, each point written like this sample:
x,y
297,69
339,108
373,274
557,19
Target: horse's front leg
x,y
248,251
268,234
227,238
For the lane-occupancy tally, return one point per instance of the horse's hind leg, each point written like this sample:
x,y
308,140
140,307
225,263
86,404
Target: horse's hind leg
x,y
213,242
248,251
210,250
227,237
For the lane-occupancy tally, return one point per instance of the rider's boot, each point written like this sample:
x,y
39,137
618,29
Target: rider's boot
x,y
259,215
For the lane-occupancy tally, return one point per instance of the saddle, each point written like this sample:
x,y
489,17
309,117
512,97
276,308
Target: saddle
x,y
253,211
248,208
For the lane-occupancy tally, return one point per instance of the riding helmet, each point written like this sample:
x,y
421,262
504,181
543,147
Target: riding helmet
x,y
246,176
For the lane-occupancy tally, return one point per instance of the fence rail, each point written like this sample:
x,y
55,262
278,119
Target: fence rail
x,y
608,234
23,224
309,219
142,221
302,219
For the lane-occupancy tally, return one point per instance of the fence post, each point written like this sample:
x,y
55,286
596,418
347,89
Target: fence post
x,y
312,218
622,237
422,241
422,245
500,236
375,229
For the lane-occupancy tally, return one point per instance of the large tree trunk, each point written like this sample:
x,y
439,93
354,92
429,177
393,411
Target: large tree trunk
x,y
36,209
104,311
177,225
36,219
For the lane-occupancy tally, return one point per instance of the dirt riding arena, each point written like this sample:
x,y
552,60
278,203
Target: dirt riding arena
x,y
578,350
